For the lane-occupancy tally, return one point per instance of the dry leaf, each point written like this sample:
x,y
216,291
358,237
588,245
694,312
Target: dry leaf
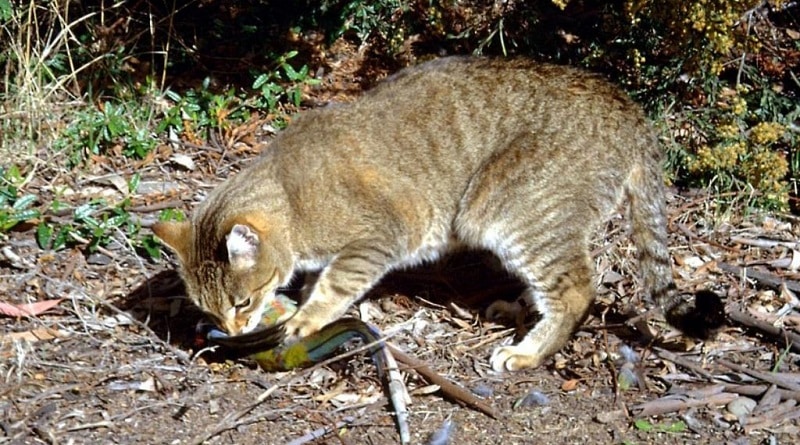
x,y
27,309
32,336
183,160
570,385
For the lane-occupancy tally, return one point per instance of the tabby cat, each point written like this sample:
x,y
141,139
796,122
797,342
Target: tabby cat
x,y
520,158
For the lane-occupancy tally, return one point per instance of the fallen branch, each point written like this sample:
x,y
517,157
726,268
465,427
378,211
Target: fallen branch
x,y
791,383
397,393
767,279
764,243
449,389
783,412
679,402
680,361
155,207
790,338
760,391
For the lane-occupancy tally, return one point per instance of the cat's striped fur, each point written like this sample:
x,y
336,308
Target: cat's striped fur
x,y
517,157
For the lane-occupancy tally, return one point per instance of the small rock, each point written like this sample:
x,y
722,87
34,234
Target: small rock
x,y
482,390
610,416
98,259
741,406
213,407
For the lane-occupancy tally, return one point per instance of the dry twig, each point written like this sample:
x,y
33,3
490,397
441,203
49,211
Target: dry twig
x,y
450,390
783,335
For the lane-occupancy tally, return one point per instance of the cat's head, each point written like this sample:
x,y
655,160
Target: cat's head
x,y
231,275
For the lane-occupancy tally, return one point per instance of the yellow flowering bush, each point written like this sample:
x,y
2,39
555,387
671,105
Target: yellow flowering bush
x,y
735,137
765,133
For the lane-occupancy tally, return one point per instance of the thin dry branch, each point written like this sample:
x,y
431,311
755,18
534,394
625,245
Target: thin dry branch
x,y
450,390
784,381
766,279
780,334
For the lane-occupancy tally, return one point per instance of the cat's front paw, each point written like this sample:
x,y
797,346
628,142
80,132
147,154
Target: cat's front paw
x,y
300,326
513,358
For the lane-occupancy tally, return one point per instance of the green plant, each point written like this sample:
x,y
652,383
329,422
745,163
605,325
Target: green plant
x,y
197,111
273,86
661,427
14,209
92,224
94,131
6,10
383,20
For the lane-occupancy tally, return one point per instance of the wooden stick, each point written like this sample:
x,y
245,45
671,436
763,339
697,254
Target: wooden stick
x,y
776,378
764,243
760,390
790,338
680,361
450,390
767,279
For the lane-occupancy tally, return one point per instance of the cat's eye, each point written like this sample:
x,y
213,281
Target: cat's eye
x,y
242,304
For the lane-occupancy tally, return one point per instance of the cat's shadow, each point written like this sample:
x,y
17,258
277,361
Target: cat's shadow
x,y
470,280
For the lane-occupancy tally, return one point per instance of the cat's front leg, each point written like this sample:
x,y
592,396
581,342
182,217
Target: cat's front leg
x,y
347,278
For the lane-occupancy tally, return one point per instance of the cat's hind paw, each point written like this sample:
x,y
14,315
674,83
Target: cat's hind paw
x,y
502,310
513,358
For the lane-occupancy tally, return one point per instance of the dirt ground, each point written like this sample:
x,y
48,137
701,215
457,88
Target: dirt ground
x,y
117,360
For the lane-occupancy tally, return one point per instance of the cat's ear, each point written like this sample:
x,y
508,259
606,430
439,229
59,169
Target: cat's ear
x,y
176,235
242,243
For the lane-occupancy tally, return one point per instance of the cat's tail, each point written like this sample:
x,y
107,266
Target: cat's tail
x,y
698,315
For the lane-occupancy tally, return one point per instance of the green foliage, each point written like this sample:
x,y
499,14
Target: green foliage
x,y
95,224
6,10
382,20
14,209
740,143
661,427
283,83
94,131
694,64
92,224
198,111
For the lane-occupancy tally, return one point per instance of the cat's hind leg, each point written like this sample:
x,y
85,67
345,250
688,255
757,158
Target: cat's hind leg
x,y
562,300
525,206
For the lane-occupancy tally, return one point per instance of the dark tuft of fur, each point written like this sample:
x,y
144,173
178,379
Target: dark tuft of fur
x,y
700,317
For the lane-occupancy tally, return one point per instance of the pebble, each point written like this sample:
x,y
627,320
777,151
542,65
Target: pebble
x,y
98,259
610,416
741,406
482,390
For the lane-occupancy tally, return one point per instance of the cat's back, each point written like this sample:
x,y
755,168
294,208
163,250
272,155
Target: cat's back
x,y
438,122
474,101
